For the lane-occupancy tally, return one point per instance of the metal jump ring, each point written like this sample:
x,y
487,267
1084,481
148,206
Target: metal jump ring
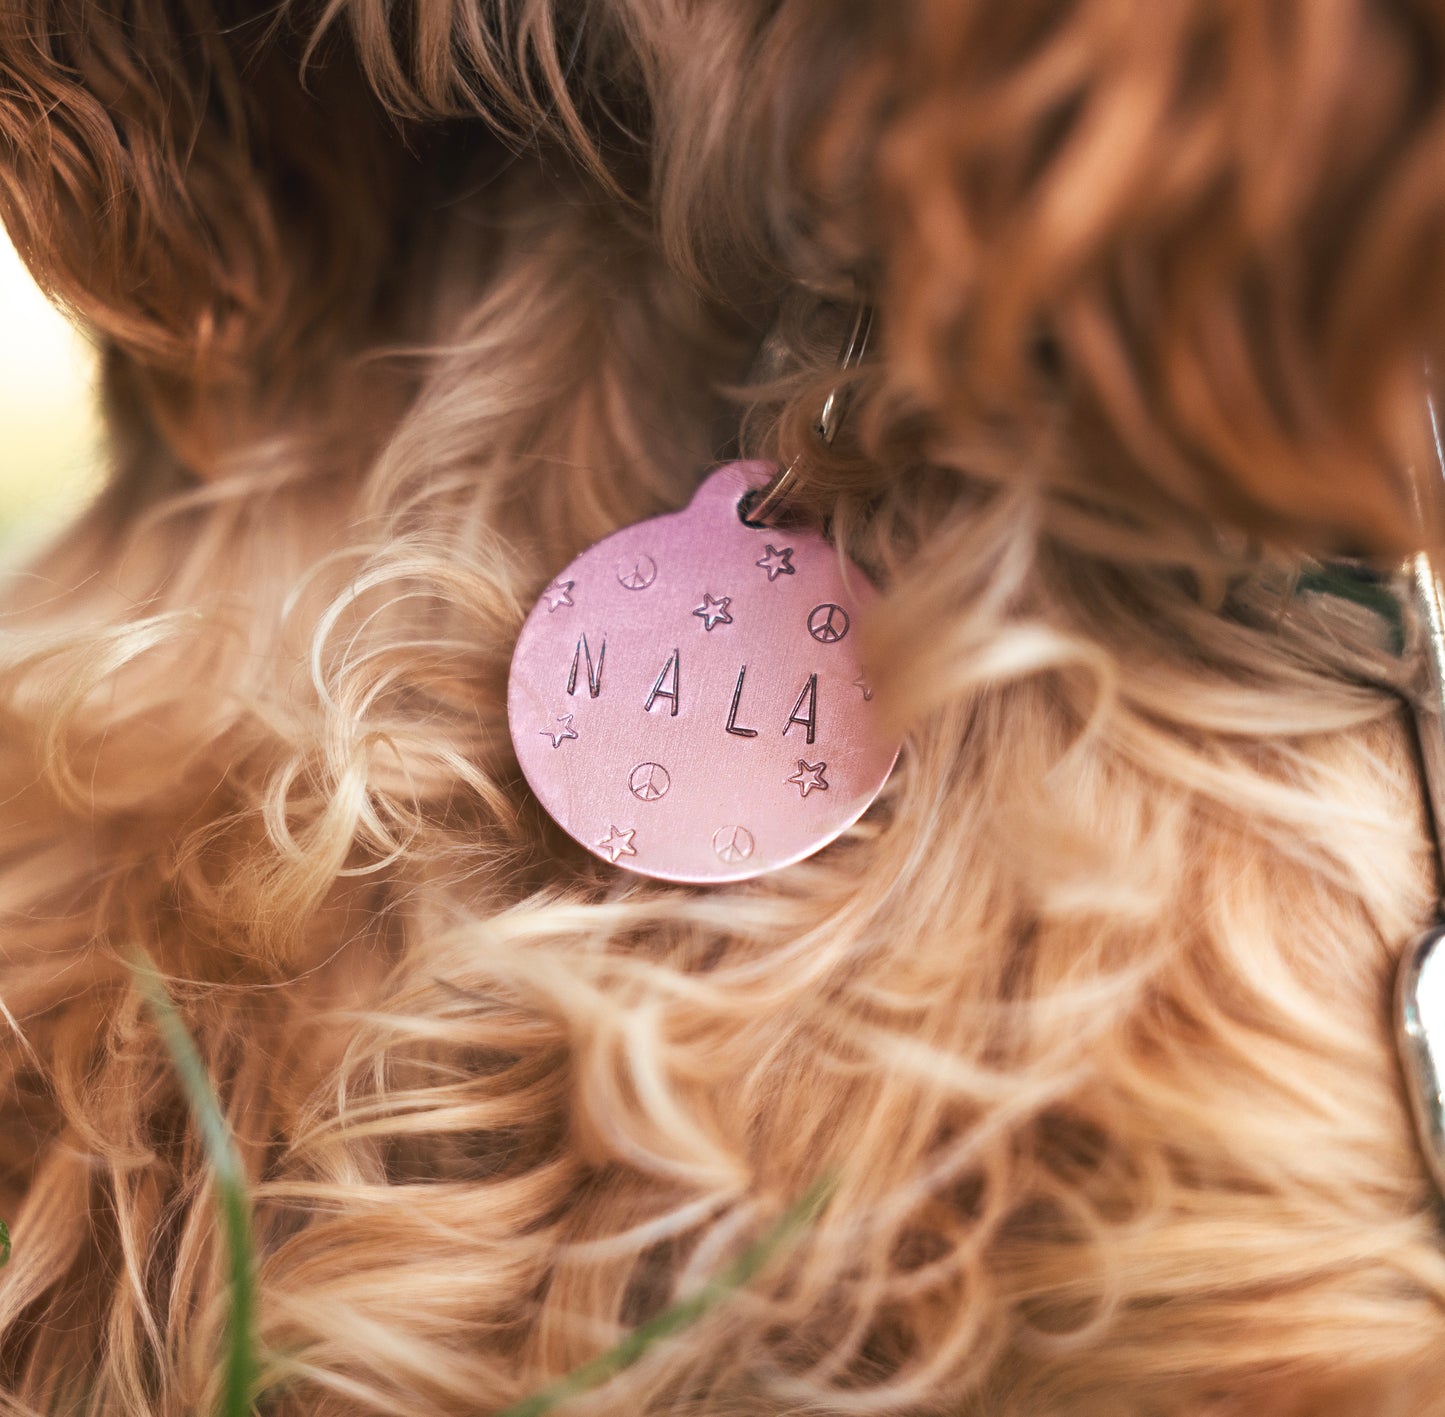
x,y
762,507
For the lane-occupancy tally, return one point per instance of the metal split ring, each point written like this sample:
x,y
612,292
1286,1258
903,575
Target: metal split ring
x,y
761,508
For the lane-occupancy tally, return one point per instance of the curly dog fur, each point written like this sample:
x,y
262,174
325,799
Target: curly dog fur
x,y
403,302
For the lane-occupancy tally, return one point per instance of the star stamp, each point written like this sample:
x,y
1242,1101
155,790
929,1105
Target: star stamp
x,y
810,776
618,843
558,594
777,563
714,612
560,735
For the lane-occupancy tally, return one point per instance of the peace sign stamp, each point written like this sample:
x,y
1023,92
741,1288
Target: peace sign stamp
x,y
649,781
828,623
732,844
636,572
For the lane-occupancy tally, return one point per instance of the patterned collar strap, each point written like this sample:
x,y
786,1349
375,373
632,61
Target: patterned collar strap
x,y
1361,585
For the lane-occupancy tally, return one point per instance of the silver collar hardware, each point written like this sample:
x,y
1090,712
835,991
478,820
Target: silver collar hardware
x,y
1419,1004
766,506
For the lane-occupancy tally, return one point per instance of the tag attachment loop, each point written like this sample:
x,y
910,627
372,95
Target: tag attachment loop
x,y
763,508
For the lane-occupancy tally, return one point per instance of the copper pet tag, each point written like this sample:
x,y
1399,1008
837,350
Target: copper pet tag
x,y
686,698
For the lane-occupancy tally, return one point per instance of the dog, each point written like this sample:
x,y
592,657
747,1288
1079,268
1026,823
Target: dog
x,y
1082,1029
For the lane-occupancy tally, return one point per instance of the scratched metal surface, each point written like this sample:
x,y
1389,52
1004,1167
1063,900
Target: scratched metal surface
x,y
686,698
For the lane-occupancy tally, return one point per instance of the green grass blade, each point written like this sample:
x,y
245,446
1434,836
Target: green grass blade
x,y
241,1365
680,1315
235,1205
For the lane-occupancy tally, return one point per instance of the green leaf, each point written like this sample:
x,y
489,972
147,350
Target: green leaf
x,y
4,1243
234,1203
682,1314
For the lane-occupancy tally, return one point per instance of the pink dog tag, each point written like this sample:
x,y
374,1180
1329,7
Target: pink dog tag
x,y
686,698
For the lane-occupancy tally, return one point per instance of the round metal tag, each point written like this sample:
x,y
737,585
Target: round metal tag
x,y
686,698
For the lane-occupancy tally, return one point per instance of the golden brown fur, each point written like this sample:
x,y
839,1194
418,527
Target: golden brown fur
x,y
404,304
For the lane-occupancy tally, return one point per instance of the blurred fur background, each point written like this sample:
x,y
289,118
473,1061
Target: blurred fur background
x,y
402,304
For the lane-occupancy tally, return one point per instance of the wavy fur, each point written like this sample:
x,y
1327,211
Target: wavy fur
x,y
403,304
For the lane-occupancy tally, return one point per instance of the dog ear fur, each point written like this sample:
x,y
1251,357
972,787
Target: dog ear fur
x,y
1201,241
